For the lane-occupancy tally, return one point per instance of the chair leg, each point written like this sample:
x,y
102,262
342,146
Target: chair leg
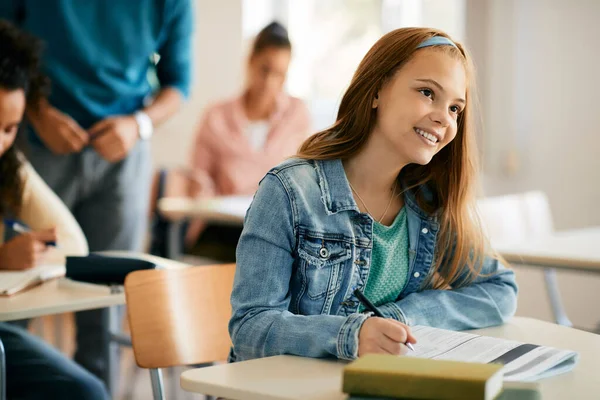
x,y
158,392
2,372
174,244
560,315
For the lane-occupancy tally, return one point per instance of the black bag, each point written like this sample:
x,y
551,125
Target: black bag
x,y
105,270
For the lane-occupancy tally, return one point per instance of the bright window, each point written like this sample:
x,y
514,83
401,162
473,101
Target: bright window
x,y
329,39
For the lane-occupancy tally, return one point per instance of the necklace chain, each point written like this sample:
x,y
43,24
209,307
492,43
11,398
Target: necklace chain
x,y
367,208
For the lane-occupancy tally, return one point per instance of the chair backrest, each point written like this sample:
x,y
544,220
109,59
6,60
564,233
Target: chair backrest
x,y
516,217
179,317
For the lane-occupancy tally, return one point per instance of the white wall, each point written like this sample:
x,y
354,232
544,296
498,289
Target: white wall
x,y
218,73
538,62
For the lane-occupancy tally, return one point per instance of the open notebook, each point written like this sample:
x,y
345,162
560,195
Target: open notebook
x,y
522,362
12,282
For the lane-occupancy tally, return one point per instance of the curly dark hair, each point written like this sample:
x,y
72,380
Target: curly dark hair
x,y
20,60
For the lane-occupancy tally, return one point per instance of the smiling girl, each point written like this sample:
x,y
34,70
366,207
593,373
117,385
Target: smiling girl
x,y
383,202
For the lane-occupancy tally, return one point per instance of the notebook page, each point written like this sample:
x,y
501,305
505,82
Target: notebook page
x,y
14,281
522,361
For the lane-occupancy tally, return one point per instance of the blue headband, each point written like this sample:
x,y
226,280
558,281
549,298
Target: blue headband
x,y
436,41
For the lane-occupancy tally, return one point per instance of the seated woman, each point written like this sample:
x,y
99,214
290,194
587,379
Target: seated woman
x,y
240,139
381,205
34,370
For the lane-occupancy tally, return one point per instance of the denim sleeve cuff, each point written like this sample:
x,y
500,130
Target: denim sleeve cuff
x,y
391,310
347,343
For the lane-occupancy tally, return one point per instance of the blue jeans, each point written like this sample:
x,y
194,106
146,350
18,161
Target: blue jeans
x,y
35,370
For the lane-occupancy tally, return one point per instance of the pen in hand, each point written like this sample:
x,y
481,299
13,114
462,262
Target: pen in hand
x,y
20,228
371,307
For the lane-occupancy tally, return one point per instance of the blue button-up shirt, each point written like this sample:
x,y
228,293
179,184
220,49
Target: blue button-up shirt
x,y
98,52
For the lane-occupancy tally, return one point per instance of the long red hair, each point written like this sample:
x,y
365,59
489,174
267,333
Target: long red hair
x,y
452,174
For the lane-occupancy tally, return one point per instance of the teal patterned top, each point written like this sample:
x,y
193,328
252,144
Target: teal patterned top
x,y
389,263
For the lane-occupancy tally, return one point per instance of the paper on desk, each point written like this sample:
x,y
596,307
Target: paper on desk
x,y
522,361
12,282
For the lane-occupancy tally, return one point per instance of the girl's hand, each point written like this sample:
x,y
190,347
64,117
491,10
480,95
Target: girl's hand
x,y
384,336
26,250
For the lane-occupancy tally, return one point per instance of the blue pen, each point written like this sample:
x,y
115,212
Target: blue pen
x,y
18,227
371,307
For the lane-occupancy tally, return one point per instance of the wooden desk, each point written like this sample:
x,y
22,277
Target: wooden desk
x,y
289,377
64,295
226,209
57,297
576,250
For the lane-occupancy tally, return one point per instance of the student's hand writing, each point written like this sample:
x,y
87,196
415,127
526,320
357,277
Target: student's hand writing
x,y
383,336
59,132
114,137
26,250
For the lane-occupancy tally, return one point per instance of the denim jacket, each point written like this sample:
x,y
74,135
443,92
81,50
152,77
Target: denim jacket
x,y
306,246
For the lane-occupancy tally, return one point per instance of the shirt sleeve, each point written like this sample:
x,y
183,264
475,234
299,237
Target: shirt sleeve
x,y
43,209
202,158
491,299
175,66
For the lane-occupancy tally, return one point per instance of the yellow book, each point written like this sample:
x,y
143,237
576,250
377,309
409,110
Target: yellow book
x,y
418,378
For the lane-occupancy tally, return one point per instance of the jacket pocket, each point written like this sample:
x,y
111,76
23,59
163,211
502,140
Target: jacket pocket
x,y
321,262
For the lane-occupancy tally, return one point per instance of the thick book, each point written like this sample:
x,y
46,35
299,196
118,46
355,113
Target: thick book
x,y
12,282
510,391
380,375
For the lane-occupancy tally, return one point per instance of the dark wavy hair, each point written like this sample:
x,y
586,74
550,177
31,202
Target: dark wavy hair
x,y
20,59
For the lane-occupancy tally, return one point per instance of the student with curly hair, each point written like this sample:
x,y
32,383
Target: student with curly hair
x,y
34,370
90,138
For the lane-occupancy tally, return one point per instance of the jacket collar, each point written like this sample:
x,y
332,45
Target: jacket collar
x,y
337,195
335,189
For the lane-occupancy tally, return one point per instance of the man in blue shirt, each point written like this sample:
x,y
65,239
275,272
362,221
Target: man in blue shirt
x,y
89,139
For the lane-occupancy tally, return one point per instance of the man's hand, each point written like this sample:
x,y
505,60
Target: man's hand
x,y
26,250
59,132
114,137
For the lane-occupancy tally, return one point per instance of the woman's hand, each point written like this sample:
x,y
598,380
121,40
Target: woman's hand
x,y
26,250
383,336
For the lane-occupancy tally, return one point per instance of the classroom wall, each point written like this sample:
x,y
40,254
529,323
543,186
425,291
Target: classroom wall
x,y
538,64
218,72
542,106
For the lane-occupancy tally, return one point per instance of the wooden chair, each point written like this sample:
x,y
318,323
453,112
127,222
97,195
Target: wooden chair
x,y
519,218
179,317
